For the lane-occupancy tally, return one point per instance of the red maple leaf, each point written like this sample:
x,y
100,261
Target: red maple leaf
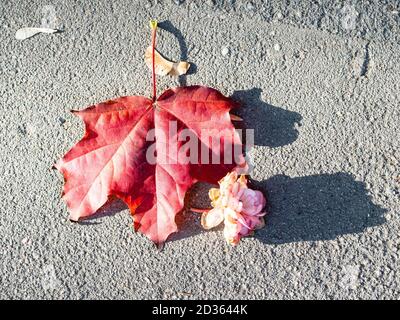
x,y
128,151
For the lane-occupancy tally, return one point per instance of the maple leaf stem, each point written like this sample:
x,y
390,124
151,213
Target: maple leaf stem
x,y
153,25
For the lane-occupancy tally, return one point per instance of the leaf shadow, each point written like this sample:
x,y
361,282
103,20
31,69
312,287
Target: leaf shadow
x,y
273,126
169,27
110,208
316,207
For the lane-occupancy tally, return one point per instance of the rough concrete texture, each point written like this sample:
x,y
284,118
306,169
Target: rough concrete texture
x,y
324,103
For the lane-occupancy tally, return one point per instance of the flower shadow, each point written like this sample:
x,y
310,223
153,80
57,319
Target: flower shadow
x,y
317,207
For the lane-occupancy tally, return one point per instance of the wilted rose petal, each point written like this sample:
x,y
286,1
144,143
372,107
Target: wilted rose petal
x,y
212,218
253,202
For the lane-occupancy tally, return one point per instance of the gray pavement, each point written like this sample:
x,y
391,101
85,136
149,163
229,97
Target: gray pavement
x,y
320,88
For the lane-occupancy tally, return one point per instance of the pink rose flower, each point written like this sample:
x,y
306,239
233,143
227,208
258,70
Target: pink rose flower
x,y
239,207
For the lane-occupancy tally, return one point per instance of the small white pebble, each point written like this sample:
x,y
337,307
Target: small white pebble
x,y
25,241
277,47
250,6
279,16
31,129
225,51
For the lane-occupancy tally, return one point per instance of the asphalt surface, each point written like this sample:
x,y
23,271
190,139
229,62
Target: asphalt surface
x,y
320,87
